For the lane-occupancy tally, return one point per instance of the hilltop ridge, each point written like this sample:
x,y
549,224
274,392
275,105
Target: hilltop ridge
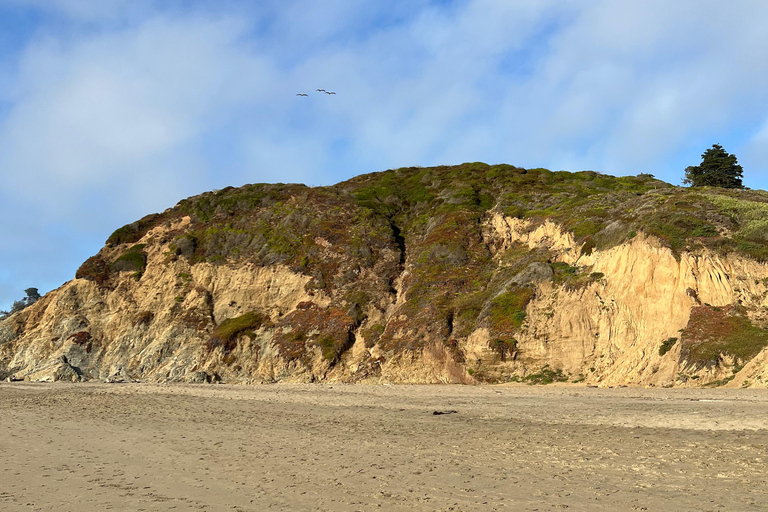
x,y
471,273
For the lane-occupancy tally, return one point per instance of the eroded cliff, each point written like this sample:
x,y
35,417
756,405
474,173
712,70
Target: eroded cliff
x,y
465,274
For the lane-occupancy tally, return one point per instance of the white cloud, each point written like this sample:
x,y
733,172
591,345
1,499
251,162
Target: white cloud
x,y
107,127
114,113
679,75
152,105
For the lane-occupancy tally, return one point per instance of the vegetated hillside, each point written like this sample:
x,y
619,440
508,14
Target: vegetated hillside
x,y
469,273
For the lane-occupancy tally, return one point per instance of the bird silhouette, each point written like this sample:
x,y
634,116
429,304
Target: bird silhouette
x,y
302,94
321,90
329,92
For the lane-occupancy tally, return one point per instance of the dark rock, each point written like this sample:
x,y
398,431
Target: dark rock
x,y
536,272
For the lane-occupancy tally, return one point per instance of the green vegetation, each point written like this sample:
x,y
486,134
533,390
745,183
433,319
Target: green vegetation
x,y
563,272
676,228
330,329
712,332
372,334
573,277
225,334
131,233
666,345
718,168
132,260
327,345
31,296
466,309
508,309
184,245
546,376
333,342
353,240
436,214
751,215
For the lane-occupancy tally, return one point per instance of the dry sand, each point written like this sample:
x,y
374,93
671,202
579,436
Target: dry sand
x,y
133,447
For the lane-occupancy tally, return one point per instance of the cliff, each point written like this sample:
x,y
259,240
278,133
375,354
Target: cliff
x,y
470,274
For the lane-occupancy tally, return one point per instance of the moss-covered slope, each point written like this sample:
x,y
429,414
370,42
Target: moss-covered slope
x,y
404,260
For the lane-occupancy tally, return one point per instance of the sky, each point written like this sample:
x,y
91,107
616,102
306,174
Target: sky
x,y
113,109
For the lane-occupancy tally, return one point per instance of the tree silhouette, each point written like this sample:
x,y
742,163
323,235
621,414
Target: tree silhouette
x,y
718,168
32,296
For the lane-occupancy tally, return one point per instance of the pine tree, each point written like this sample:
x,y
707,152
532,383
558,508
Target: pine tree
x,y
718,168
33,296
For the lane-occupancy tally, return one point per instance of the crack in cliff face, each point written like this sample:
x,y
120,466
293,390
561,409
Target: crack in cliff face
x,y
399,240
333,269
395,286
449,323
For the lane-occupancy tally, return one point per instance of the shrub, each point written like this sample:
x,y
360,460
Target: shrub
x,y
752,217
32,296
327,345
131,233
333,343
132,260
546,376
572,277
508,309
755,251
676,228
587,227
588,247
666,345
94,269
713,331
515,211
228,330
372,334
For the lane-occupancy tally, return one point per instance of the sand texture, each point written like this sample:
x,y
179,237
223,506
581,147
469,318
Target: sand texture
x,y
134,447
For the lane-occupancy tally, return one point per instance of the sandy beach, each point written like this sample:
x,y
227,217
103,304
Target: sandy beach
x,y
134,447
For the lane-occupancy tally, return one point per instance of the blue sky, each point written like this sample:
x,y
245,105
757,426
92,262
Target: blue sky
x,y
112,109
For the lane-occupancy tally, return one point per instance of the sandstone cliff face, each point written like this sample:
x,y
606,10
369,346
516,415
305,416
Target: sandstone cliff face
x,y
610,330
324,285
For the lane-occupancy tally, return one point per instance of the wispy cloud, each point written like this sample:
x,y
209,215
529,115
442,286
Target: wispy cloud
x,y
112,109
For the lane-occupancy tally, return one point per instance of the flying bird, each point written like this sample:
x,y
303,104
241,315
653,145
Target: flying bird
x,y
321,90
329,92
302,94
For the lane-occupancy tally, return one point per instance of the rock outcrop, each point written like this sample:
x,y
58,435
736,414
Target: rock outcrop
x,y
471,274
